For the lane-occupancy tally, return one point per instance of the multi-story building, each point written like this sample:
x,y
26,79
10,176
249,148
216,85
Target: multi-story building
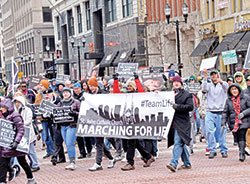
x,y
1,42
162,37
34,36
8,32
110,30
225,26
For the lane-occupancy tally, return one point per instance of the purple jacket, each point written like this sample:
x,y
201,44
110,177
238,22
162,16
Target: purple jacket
x,y
17,119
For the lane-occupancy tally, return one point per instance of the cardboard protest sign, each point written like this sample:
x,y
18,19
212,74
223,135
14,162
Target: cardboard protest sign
x,y
127,69
36,108
34,81
46,107
208,63
129,116
8,134
61,115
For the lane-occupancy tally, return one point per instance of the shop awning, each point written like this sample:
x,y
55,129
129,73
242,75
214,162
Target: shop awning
x,y
123,56
108,59
243,43
205,46
229,42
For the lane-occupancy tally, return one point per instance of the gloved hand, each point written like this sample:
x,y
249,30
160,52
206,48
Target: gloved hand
x,y
241,115
164,78
136,76
13,145
174,106
72,113
115,76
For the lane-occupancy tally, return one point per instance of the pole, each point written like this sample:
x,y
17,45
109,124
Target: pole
x,y
79,62
53,62
178,46
146,35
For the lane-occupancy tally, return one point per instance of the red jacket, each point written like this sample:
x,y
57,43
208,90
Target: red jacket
x,y
138,84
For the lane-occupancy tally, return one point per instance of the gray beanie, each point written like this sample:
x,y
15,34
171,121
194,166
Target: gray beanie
x,y
67,89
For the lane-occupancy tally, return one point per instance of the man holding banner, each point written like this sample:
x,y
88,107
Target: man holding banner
x,y
180,132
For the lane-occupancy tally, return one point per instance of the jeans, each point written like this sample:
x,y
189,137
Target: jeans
x,y
197,120
203,129
213,125
47,138
179,151
69,137
32,156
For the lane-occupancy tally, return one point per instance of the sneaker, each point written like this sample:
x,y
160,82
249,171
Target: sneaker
x,y
118,158
207,152
82,156
71,166
224,155
17,168
12,174
128,167
31,181
89,155
171,168
34,169
247,151
111,163
149,162
95,167
184,167
53,161
212,155
47,156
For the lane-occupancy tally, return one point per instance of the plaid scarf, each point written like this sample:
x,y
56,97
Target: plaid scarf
x,y
236,104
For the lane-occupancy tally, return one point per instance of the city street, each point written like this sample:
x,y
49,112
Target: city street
x,y
218,170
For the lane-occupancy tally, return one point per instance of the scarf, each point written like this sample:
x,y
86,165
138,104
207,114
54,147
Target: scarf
x,y
236,105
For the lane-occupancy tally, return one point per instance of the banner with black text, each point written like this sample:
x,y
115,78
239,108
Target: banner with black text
x,y
129,116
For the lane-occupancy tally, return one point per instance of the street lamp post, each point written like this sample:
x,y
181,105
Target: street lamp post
x,y
177,23
78,52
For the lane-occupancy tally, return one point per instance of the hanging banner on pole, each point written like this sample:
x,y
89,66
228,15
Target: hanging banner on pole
x,y
247,59
128,116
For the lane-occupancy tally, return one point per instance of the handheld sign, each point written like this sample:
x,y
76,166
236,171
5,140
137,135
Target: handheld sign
x,y
60,78
156,69
46,107
61,115
36,109
127,69
229,57
8,134
193,87
34,81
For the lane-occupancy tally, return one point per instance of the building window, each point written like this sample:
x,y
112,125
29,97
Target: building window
x,y
70,23
110,10
47,16
207,10
58,27
50,41
213,8
127,7
88,18
79,19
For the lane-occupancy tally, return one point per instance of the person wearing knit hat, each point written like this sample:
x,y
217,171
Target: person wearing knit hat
x,y
192,79
182,126
168,82
230,80
68,129
44,83
131,87
77,91
93,85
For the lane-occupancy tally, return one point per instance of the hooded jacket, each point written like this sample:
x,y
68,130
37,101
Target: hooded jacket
x,y
17,120
229,113
53,87
243,84
26,114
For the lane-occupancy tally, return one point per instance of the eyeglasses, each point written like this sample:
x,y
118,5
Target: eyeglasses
x,y
24,86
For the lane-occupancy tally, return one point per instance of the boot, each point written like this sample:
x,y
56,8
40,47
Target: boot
x,y
31,181
242,145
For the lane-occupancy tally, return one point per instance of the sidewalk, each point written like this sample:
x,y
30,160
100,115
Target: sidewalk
x,y
204,171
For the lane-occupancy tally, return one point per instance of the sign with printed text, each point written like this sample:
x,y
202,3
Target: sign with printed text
x,y
208,63
229,57
36,108
34,81
128,116
193,87
61,78
8,134
153,81
127,69
61,115
46,107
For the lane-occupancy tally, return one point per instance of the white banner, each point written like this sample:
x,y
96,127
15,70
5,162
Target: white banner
x,y
129,116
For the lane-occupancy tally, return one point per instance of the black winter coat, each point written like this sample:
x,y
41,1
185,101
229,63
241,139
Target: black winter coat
x,y
229,113
181,120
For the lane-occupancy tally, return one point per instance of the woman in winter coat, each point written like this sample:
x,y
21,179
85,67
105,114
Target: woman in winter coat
x,y
8,113
20,106
236,114
68,130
